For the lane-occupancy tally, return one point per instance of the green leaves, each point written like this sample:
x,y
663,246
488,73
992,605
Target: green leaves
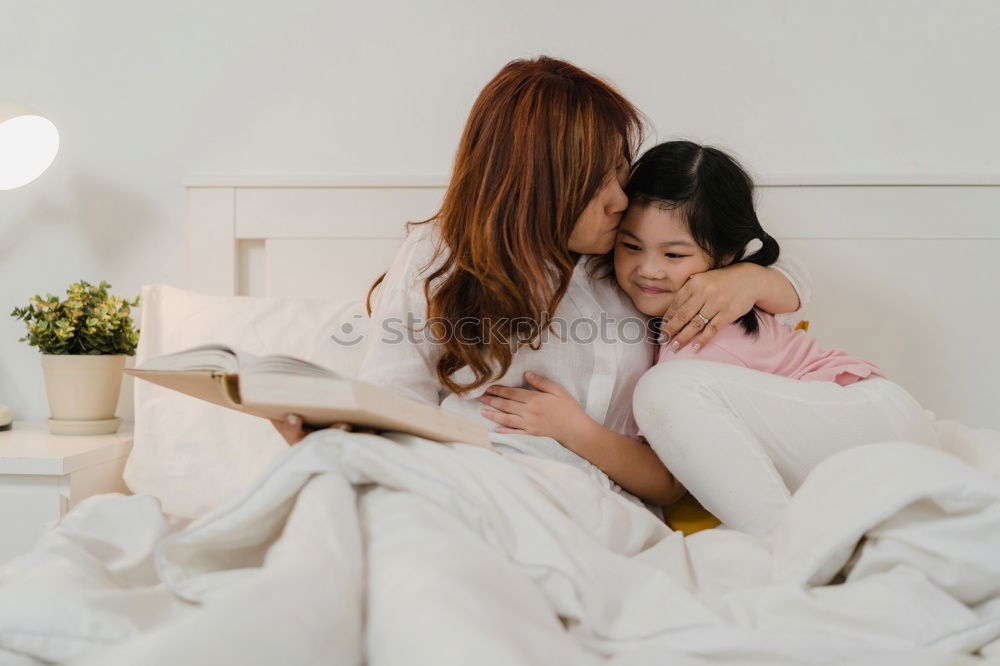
x,y
89,321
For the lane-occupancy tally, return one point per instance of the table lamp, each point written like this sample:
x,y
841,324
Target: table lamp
x,y
28,144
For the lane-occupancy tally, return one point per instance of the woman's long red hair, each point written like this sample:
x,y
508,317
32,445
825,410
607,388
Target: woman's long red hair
x,y
540,142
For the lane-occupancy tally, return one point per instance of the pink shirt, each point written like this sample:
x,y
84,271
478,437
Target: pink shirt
x,y
780,350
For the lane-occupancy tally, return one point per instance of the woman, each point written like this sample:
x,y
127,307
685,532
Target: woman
x,y
495,285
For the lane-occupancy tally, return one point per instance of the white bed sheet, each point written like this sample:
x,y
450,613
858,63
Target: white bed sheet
x,y
395,550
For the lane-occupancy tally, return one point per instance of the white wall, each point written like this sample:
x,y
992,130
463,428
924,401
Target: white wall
x,y
145,94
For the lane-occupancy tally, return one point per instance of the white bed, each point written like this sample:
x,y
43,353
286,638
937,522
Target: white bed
x,y
353,548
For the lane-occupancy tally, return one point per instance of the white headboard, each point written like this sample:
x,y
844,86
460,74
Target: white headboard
x,y
904,270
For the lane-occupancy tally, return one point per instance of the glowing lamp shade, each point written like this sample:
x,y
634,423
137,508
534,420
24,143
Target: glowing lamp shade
x,y
28,144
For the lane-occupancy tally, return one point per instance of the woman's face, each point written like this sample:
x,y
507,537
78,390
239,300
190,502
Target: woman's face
x,y
654,256
594,232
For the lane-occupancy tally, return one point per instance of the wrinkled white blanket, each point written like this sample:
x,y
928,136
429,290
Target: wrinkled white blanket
x,y
357,549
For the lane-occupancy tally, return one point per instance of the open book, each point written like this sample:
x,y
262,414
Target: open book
x,y
273,386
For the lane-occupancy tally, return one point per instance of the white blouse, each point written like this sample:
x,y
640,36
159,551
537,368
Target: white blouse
x,y
598,350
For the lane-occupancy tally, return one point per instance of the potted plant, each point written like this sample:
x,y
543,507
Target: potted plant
x,y
84,340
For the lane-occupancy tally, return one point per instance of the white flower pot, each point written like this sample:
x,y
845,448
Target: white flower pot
x,y
83,392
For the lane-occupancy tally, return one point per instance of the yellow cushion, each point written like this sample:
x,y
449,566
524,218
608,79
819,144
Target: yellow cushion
x,y
688,516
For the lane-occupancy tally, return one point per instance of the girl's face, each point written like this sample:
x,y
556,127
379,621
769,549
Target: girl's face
x,y
654,256
594,232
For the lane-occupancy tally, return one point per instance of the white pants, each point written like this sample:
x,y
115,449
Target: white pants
x,y
741,441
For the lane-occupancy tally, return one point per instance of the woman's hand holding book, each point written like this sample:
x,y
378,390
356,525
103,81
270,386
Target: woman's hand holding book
x,y
293,430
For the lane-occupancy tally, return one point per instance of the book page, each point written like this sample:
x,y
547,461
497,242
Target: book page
x,y
220,358
286,365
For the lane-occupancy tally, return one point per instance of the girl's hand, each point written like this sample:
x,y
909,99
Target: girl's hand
x,y
293,430
720,296
548,411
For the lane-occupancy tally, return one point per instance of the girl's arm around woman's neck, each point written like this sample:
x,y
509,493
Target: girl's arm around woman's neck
x,y
778,296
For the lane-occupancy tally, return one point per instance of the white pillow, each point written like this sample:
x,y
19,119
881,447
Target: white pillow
x,y
191,454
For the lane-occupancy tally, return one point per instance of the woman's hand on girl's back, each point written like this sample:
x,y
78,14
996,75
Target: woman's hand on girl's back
x,y
719,296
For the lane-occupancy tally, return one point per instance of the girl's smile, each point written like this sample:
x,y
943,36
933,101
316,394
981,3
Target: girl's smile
x,y
653,291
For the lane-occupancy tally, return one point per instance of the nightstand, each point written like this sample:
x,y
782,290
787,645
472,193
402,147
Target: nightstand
x,y
42,476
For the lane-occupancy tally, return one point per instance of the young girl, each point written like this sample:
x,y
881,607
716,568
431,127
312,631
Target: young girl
x,y
742,421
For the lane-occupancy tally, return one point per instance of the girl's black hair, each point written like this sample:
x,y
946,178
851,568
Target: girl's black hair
x,y
715,196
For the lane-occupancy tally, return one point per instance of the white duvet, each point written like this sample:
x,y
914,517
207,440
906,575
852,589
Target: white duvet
x,y
358,549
